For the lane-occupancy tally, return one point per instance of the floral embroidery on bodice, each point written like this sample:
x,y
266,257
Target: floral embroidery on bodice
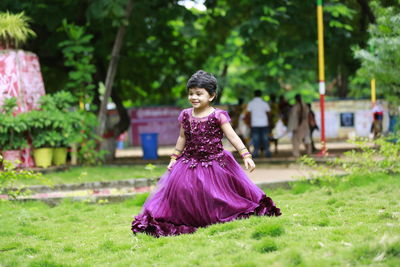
x,y
203,138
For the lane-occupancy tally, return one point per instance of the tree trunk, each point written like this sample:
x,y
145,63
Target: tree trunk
x,y
342,84
112,69
366,12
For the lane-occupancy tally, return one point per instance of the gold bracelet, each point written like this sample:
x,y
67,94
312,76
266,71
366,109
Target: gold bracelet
x,y
177,152
174,156
244,151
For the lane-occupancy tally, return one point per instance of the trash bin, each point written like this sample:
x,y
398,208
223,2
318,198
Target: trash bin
x,y
149,145
120,144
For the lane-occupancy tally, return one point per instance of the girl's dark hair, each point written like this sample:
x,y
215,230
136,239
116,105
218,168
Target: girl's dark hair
x,y
202,79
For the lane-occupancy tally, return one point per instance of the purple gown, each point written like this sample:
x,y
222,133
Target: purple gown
x,y
205,186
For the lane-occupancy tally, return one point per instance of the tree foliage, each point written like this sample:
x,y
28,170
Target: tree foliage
x,y
268,45
78,56
382,60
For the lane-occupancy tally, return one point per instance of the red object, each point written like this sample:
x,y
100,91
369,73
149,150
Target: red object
x,y
20,77
12,156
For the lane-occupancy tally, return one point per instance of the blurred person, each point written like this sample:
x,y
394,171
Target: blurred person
x,y
259,112
299,126
377,122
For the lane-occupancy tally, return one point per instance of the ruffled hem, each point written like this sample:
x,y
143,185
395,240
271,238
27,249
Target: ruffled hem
x,y
266,207
145,223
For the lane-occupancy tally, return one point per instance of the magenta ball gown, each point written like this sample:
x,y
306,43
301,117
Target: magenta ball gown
x,y
205,186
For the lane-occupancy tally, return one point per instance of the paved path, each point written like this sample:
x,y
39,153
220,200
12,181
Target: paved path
x,y
271,175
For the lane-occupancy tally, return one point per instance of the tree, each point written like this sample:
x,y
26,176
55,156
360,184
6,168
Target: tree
x,y
111,71
382,61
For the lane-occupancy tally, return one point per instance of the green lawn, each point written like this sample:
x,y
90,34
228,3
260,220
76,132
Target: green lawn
x,y
352,224
102,173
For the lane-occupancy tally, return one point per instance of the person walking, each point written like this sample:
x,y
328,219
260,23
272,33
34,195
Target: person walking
x,y
377,123
259,113
204,183
299,126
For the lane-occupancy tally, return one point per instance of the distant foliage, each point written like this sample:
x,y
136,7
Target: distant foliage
x,y
380,156
383,157
382,59
78,57
89,152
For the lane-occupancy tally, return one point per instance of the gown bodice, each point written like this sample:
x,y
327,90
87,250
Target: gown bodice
x,y
203,137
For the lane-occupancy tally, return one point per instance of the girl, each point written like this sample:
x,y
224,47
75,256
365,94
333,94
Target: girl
x,y
204,184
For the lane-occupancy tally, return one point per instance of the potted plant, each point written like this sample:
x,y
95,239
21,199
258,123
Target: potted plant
x,y
54,128
66,120
68,126
44,136
12,131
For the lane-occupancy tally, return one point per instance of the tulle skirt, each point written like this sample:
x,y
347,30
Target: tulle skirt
x,y
187,198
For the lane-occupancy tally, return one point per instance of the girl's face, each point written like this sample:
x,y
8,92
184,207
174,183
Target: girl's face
x,y
200,98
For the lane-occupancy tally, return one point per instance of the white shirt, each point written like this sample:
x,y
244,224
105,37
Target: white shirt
x,y
378,109
258,109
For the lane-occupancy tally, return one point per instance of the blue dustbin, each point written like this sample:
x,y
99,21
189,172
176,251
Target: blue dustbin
x,y
149,145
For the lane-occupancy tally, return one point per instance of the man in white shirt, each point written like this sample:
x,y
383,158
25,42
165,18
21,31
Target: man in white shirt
x,y
259,112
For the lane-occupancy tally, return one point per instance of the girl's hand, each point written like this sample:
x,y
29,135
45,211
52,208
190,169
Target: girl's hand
x,y
171,164
249,164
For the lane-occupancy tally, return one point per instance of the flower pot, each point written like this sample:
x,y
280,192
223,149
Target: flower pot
x,y
13,156
43,157
60,156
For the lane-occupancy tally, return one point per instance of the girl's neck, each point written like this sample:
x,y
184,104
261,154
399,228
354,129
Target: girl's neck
x,y
200,112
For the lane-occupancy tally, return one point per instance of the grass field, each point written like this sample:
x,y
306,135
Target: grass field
x,y
351,224
103,173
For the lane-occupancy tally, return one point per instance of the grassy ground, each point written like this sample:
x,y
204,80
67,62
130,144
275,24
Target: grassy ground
x,y
354,223
103,173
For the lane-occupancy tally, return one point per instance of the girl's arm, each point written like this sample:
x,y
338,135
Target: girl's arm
x,y
235,140
180,145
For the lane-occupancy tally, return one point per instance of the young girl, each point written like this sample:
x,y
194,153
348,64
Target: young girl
x,y
204,184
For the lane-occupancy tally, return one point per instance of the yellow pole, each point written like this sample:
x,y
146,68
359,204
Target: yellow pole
x,y
373,91
373,84
81,104
321,75
321,62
